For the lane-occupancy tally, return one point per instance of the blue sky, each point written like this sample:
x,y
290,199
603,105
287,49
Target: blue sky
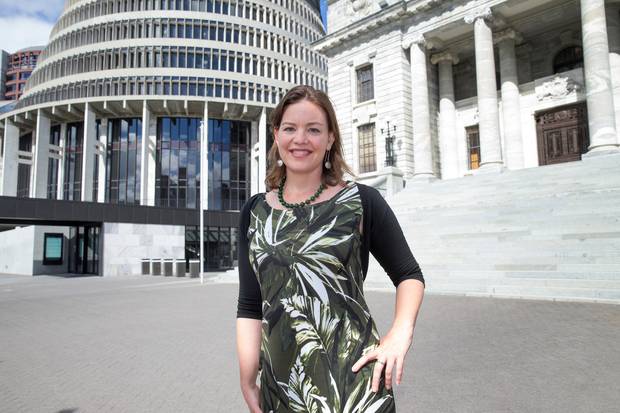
x,y
25,23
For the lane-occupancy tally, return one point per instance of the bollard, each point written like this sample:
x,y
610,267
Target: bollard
x,y
156,266
146,266
180,267
168,265
194,268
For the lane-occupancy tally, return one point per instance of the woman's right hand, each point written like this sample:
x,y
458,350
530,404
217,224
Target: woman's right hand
x,y
251,396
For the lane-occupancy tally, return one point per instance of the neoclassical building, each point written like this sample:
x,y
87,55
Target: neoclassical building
x,y
473,86
103,151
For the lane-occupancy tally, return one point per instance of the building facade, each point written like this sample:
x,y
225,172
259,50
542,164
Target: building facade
x,y
473,86
115,114
19,66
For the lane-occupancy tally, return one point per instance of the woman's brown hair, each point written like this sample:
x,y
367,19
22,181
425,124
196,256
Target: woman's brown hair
x,y
331,176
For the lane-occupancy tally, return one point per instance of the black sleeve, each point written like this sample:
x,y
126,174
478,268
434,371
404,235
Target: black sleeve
x,y
389,246
250,300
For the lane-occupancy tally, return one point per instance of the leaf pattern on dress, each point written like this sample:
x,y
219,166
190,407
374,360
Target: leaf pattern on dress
x,y
316,323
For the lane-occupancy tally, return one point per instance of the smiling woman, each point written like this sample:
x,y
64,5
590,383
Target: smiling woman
x,y
302,319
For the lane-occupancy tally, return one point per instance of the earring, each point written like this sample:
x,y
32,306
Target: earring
x,y
328,164
280,162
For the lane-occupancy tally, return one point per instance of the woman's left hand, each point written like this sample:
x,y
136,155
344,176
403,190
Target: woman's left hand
x,y
389,354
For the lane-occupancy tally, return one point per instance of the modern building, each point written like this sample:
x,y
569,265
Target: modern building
x,y
473,86
19,66
101,161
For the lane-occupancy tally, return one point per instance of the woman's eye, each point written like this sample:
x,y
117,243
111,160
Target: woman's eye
x,y
314,130
288,129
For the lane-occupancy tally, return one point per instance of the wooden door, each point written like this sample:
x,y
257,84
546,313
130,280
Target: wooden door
x,y
562,134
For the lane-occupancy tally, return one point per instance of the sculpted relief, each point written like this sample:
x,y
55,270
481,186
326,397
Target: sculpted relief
x,y
359,8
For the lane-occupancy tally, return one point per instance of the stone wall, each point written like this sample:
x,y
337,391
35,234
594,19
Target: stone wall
x,y
16,250
125,245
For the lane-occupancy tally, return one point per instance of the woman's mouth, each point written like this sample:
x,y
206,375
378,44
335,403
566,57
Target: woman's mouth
x,y
300,153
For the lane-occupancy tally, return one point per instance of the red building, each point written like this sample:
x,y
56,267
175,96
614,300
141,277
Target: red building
x,y
20,66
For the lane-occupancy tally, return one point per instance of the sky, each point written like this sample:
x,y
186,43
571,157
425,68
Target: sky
x,y
25,23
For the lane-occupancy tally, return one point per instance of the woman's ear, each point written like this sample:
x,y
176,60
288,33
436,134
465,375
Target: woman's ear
x,y
331,140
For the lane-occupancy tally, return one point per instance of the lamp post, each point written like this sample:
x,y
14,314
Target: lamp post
x,y
389,144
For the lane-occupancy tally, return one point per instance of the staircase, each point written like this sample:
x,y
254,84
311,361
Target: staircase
x,y
551,232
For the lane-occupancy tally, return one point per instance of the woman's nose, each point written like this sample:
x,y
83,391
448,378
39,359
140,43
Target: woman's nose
x,y
300,136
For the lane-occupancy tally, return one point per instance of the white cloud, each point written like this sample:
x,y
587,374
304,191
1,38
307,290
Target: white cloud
x,y
26,23
20,32
43,9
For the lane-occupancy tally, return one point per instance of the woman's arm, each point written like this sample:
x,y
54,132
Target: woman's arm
x,y
395,344
248,351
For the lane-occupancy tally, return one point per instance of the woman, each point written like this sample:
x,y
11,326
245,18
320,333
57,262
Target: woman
x,y
302,319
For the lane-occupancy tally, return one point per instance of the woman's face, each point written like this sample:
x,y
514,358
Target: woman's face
x,y
303,137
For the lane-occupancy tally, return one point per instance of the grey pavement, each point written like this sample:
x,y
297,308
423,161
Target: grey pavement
x,y
155,344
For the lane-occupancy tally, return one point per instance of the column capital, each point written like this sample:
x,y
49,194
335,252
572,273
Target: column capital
x,y
507,34
483,13
445,56
421,40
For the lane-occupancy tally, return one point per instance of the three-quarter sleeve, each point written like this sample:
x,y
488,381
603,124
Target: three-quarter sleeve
x,y
249,301
388,244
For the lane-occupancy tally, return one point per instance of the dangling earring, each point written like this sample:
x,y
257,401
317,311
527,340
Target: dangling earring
x,y
328,164
280,162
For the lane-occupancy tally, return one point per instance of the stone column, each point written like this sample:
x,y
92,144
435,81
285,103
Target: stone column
x,y
490,145
511,106
41,156
422,149
148,157
254,161
262,147
601,117
447,115
9,159
61,162
204,159
88,153
102,154
613,35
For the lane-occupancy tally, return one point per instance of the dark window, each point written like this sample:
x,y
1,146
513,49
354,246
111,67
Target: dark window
x,y
177,181
220,246
228,163
23,170
568,59
365,90
72,184
367,154
53,165
124,143
53,249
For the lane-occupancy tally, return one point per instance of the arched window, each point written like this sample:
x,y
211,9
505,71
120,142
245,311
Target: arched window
x,y
567,59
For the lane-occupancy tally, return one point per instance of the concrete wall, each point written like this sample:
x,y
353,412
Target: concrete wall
x,y
39,237
125,245
16,251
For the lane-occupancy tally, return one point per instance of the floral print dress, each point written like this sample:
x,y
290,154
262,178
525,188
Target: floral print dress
x,y
316,323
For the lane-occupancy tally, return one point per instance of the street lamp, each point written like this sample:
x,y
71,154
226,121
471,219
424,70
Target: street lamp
x,y
389,144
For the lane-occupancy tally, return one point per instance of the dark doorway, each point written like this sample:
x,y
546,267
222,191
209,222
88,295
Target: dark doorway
x,y
562,134
84,250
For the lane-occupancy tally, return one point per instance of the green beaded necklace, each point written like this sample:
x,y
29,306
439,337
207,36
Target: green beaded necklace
x,y
299,204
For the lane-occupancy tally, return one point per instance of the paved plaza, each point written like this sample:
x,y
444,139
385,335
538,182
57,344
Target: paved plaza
x,y
155,344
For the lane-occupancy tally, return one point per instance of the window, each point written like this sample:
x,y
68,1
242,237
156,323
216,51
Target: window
x,y
52,249
473,147
124,142
568,59
365,90
367,155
